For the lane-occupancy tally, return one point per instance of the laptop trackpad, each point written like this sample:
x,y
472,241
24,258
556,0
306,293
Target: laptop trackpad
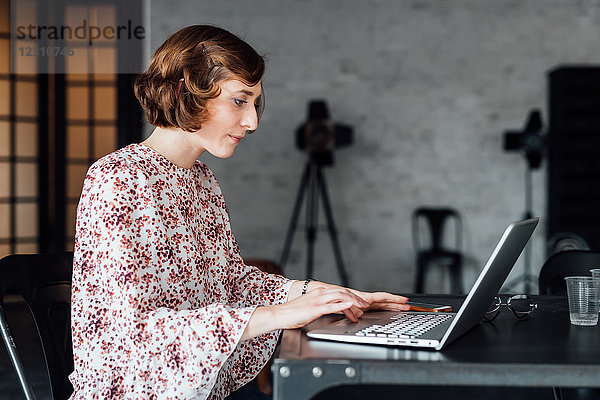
x,y
344,325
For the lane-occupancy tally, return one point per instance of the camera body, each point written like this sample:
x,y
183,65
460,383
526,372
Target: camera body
x,y
530,140
319,136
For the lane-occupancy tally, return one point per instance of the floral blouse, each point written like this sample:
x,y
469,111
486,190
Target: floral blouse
x,y
160,294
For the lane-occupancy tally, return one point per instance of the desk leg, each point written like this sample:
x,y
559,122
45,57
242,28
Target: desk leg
x,y
303,380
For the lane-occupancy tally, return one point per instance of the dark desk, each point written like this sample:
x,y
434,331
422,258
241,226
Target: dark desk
x,y
544,350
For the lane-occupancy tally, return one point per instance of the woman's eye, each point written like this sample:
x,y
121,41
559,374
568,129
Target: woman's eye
x,y
239,102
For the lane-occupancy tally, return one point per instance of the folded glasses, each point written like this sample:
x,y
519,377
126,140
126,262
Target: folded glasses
x,y
521,305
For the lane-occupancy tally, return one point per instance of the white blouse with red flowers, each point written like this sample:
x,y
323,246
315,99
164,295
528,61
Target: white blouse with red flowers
x,y
160,294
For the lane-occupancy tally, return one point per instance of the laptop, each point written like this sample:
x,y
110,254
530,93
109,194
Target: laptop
x,y
434,329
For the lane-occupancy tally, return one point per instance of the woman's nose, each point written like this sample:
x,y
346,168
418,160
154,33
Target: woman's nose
x,y
250,119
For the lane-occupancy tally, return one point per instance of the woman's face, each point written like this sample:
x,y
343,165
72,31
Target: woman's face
x,y
232,114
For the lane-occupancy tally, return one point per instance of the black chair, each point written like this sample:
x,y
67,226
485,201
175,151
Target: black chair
x,y
437,253
552,282
44,281
566,241
566,263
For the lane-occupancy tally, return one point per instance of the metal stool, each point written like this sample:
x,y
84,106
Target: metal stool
x,y
436,219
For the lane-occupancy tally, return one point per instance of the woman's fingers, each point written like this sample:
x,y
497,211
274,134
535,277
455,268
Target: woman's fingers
x,y
344,308
356,313
339,300
383,300
328,299
336,295
380,297
304,309
373,301
390,306
383,297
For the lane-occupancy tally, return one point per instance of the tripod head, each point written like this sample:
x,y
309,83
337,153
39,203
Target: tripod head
x,y
530,140
319,136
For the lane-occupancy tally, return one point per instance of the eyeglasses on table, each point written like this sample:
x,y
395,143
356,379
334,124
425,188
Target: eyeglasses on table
x,y
521,305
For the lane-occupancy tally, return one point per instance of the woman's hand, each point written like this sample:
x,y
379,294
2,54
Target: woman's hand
x,y
375,300
320,299
304,309
383,301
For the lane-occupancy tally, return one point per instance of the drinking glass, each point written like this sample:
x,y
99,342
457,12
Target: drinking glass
x,y
583,292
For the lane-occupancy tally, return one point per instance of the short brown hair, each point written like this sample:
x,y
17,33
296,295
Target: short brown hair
x,y
200,56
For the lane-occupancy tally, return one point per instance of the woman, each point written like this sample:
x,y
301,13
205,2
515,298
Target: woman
x,y
163,304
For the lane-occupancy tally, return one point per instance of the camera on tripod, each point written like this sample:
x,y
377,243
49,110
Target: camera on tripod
x,y
319,136
530,140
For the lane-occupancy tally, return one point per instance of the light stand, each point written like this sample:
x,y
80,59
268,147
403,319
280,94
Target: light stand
x,y
531,142
527,278
314,181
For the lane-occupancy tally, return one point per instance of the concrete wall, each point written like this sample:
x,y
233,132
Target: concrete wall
x,y
429,86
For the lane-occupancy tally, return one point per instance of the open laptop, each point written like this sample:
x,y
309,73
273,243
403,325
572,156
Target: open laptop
x,y
433,329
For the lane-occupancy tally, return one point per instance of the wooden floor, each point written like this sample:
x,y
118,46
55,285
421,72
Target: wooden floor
x,y
24,333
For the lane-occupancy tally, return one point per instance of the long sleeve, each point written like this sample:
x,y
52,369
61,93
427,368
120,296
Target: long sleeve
x,y
151,316
247,286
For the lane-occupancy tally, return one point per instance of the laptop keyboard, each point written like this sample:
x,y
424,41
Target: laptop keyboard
x,y
405,326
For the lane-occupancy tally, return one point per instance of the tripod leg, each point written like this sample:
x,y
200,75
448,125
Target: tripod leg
x,y
331,227
312,217
294,220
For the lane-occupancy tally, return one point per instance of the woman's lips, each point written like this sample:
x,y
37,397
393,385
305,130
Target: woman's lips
x,y
236,139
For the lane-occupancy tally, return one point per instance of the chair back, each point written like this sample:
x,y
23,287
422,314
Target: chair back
x,y
44,281
563,264
436,219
